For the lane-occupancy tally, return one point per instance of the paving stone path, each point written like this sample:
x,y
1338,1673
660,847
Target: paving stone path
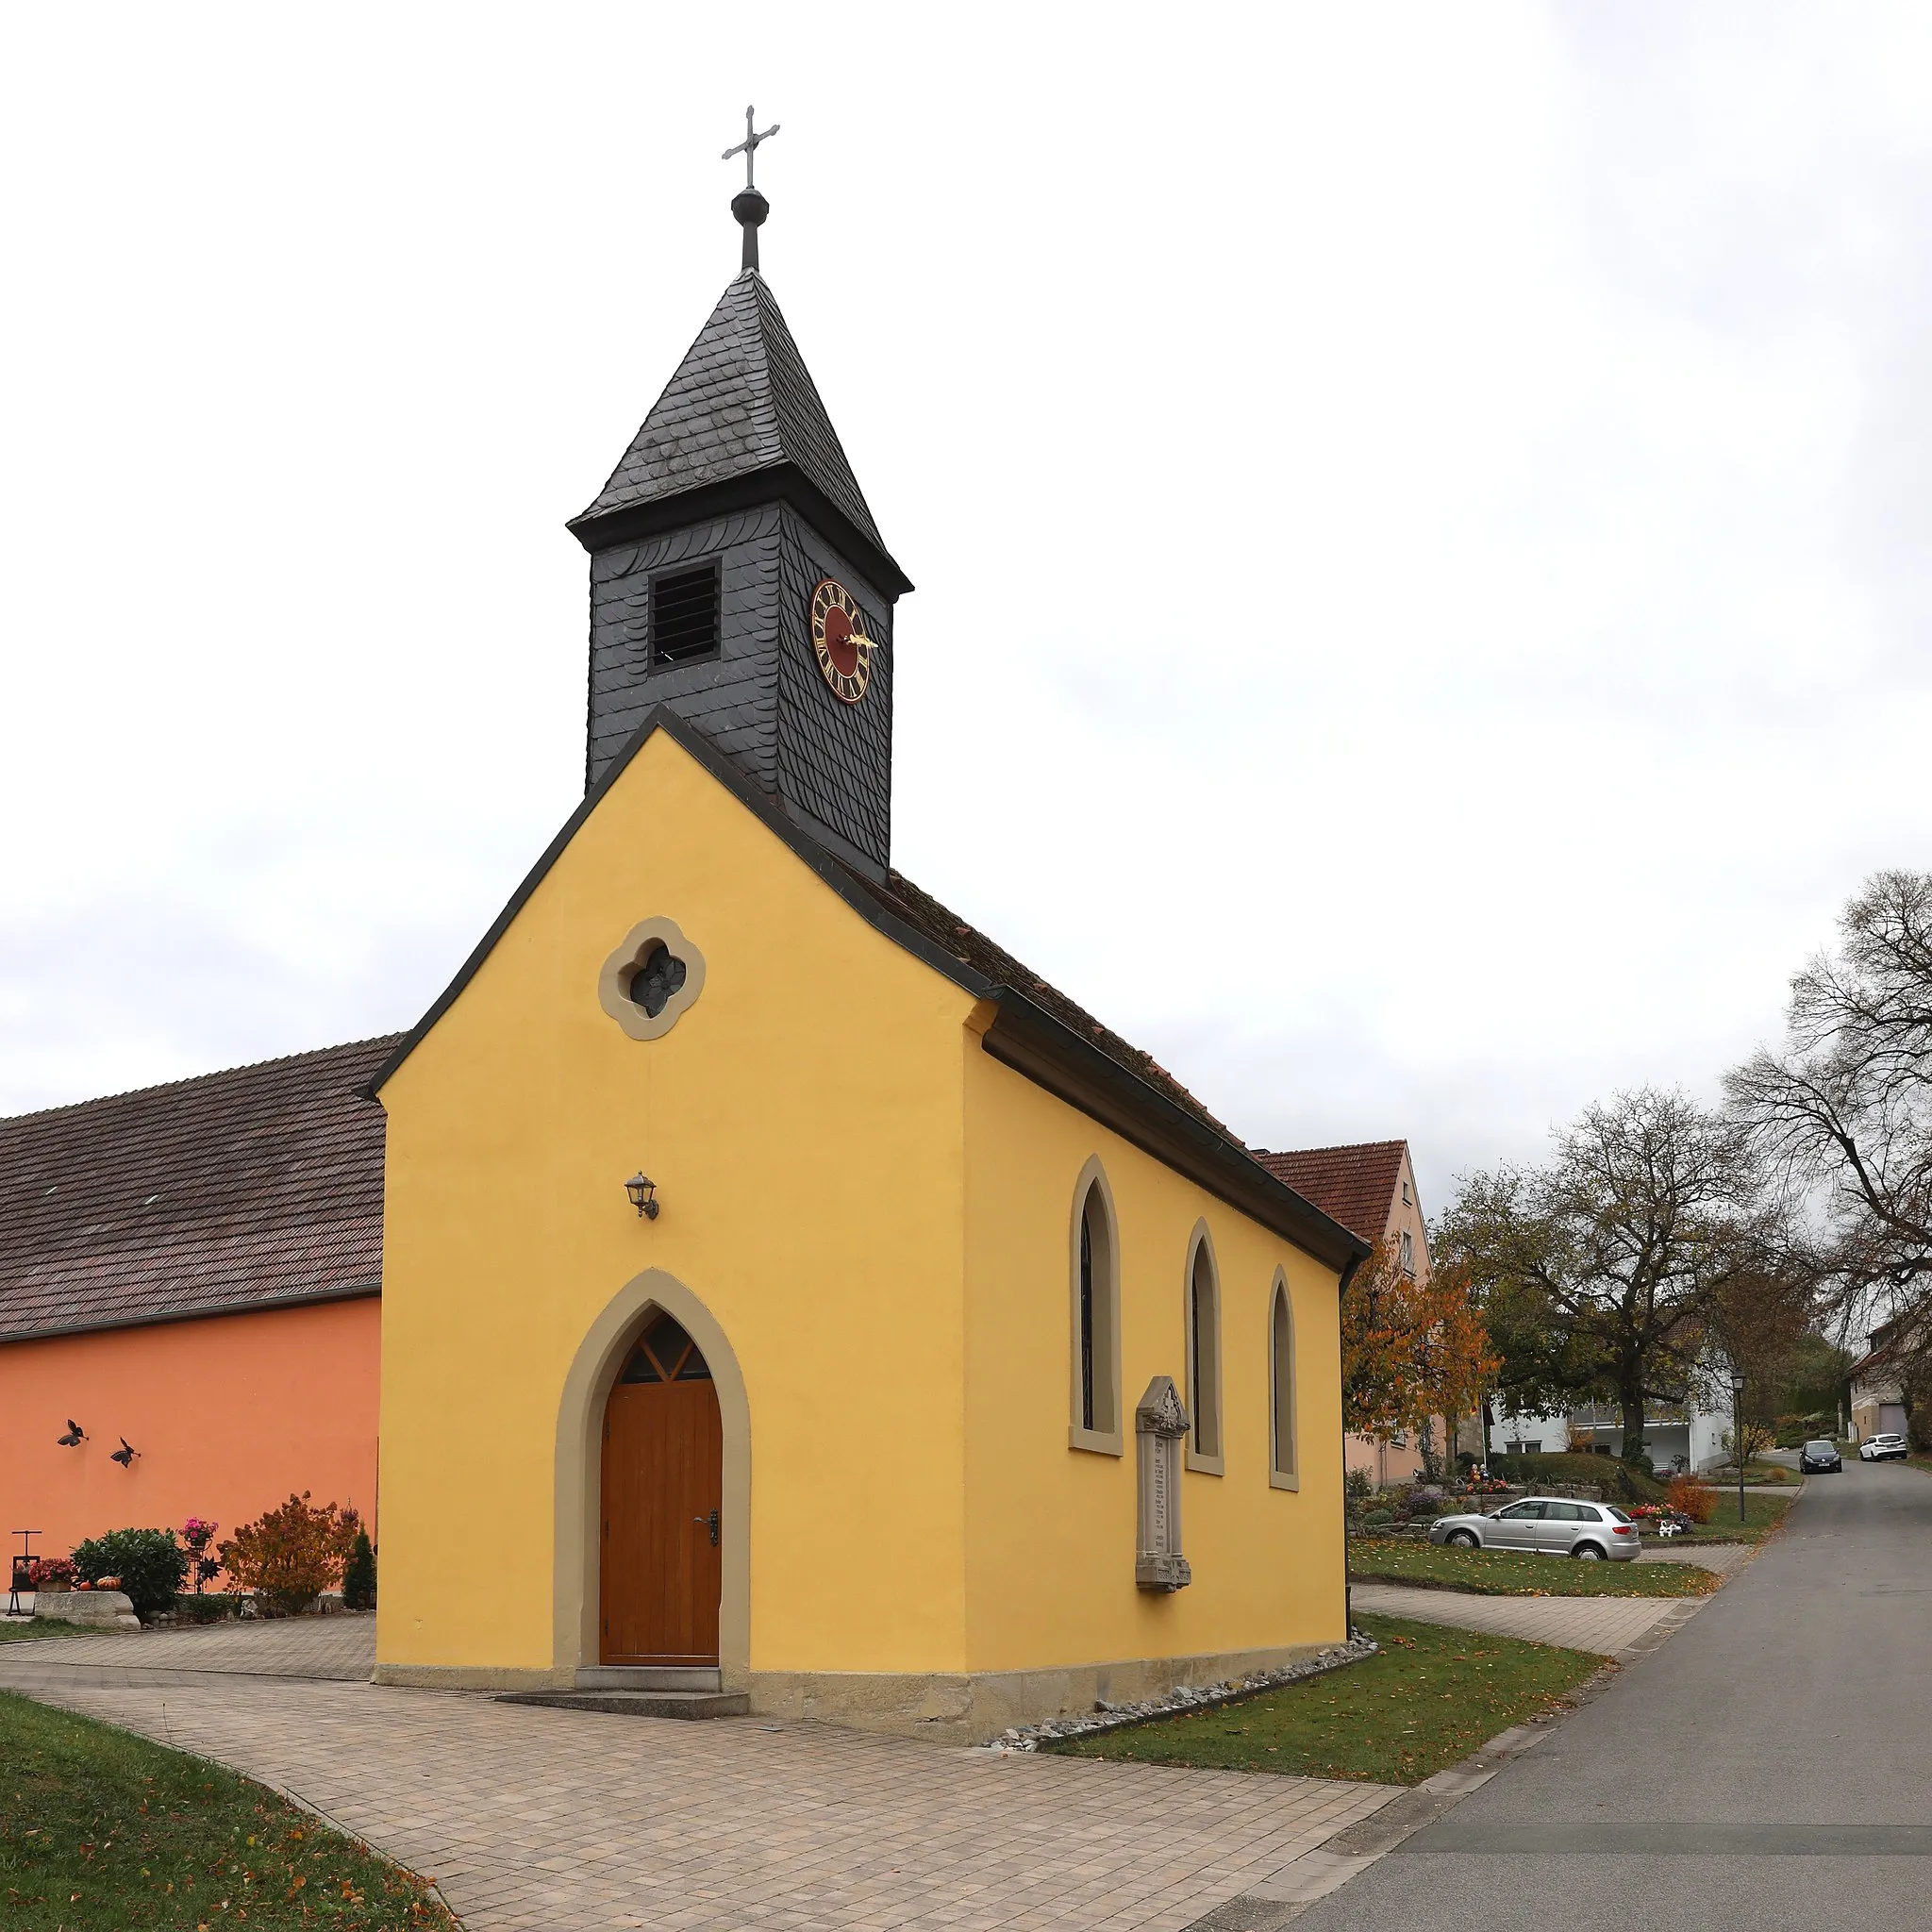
x,y
529,1817
1609,1625
343,1648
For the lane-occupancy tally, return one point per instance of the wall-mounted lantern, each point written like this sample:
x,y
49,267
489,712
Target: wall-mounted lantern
x,y
643,1195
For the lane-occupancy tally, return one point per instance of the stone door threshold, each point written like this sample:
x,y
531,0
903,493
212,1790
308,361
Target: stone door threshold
x,y
684,1704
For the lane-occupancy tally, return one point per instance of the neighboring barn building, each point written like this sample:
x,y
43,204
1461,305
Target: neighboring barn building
x,y
1369,1187
192,1272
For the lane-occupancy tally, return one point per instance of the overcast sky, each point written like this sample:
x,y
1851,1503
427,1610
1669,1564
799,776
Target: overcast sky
x,y
1420,513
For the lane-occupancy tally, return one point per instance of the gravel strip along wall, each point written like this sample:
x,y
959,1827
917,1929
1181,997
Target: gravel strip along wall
x,y
1117,1717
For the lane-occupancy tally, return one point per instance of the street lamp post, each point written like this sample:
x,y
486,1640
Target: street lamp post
x,y
1737,1434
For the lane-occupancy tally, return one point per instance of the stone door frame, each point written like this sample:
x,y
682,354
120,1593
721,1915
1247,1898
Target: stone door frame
x,y
587,1388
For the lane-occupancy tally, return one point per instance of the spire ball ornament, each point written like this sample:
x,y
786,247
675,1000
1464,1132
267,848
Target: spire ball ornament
x,y
749,207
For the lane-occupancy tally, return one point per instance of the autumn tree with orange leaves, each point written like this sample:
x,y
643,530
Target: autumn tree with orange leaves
x,y
1413,1346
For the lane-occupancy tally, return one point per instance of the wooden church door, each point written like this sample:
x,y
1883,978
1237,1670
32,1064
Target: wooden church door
x,y
663,1495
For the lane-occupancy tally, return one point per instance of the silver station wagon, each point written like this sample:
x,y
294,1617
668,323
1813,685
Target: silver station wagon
x,y
1597,1532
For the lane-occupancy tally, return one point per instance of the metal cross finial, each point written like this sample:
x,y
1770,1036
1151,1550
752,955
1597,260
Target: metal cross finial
x,y
748,147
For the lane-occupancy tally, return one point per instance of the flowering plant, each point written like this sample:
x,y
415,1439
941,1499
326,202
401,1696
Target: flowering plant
x,y
198,1534
50,1573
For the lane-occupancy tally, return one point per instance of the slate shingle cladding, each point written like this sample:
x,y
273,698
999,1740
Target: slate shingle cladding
x,y
741,400
742,409
761,700
254,1188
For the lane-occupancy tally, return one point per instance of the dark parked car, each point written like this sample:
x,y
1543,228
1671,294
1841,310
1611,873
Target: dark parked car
x,y
1819,1455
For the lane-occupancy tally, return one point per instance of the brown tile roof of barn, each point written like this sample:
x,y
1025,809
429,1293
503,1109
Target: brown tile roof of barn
x,y
248,1189
1354,1185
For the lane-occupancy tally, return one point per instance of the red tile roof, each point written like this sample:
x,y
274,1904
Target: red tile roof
x,y
1354,1185
252,1188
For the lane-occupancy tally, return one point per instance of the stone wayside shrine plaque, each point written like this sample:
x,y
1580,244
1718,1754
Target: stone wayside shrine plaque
x,y
1160,1424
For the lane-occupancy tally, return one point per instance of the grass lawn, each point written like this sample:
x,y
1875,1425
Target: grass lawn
x,y
1430,1698
1505,1573
47,1626
104,1832
1762,1514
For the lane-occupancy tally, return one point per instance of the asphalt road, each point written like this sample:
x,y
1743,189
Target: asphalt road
x,y
1771,1766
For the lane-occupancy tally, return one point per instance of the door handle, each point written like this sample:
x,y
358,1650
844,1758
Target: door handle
x,y
710,1522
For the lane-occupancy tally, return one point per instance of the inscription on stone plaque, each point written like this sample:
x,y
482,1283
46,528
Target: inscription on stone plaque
x,y
1161,1426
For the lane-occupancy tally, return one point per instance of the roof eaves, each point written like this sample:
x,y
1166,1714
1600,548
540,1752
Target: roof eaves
x,y
307,1298
1027,1037
782,481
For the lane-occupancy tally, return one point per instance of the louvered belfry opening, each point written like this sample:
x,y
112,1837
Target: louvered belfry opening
x,y
684,615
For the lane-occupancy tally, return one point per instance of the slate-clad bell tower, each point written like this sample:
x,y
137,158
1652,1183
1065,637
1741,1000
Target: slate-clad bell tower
x,y
737,575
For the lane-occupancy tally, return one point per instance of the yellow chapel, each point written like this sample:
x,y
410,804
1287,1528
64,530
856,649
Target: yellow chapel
x,y
790,1302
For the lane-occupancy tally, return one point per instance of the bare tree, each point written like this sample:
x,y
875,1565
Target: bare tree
x,y
1844,1112
1604,1272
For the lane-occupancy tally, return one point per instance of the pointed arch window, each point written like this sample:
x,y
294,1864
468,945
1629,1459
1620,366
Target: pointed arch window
x,y
1282,1467
1202,1309
1095,1307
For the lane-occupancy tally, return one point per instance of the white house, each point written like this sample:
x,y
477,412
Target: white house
x,y
1693,1436
1878,1395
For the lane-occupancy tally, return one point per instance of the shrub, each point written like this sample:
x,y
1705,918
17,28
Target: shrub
x,y
1357,1487
1378,1519
287,1557
1692,1498
1622,1482
149,1563
205,1610
358,1577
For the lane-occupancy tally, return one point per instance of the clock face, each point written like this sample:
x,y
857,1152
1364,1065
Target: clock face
x,y
839,640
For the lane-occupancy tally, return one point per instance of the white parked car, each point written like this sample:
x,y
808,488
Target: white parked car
x,y
1884,1449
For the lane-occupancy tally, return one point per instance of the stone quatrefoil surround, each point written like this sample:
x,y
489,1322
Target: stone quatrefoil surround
x,y
651,979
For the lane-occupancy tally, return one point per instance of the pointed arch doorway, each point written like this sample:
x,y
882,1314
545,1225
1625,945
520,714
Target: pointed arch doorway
x,y
662,1499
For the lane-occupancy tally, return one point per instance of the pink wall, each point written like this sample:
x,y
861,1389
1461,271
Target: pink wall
x,y
230,1413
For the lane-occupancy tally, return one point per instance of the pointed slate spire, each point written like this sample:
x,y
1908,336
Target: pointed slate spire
x,y
742,420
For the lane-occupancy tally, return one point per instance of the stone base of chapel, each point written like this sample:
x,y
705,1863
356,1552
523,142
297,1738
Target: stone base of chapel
x,y
951,1708
974,1707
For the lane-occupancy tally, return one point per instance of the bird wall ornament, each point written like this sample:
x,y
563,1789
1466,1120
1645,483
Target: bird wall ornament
x,y
74,1437
125,1455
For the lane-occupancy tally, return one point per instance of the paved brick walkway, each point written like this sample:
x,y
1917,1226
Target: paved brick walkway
x,y
342,1647
529,1817
1722,1557
1606,1625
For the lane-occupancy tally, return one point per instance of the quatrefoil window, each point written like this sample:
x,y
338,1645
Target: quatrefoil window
x,y
651,978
